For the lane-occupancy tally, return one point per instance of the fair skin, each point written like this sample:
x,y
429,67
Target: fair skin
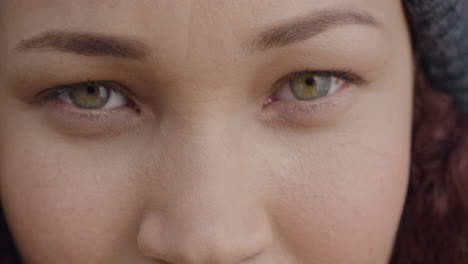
x,y
202,167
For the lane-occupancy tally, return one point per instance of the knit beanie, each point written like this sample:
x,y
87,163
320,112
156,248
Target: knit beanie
x,y
440,36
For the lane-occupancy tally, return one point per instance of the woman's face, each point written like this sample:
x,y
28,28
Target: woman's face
x,y
204,131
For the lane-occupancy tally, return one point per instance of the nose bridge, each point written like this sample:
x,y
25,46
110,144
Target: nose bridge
x,y
212,215
208,146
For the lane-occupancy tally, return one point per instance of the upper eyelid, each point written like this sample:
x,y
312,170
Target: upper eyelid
x,y
346,75
54,92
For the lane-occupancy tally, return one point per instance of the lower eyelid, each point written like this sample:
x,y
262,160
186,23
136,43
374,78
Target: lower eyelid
x,y
73,121
305,113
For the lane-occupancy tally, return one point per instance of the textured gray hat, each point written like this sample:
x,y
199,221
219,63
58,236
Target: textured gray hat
x,y
440,34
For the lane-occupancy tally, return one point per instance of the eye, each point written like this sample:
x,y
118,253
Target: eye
x,y
90,95
311,85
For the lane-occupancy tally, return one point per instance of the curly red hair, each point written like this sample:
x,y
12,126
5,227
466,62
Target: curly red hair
x,y
434,225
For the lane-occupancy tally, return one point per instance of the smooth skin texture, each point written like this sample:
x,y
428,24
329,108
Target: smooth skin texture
x,y
203,170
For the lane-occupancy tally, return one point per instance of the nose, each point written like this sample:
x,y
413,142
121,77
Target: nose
x,y
206,228
209,213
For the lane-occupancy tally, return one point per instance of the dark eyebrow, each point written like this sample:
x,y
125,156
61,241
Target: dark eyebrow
x,y
310,25
87,44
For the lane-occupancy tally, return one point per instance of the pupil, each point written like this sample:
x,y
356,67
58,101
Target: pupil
x,y
90,89
309,81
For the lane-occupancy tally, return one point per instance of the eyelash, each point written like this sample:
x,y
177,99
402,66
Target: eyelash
x,y
292,108
344,75
57,91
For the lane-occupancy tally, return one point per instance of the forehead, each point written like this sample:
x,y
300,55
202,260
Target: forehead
x,y
177,32
178,19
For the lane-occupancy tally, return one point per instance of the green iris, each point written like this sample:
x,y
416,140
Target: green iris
x,y
308,86
90,95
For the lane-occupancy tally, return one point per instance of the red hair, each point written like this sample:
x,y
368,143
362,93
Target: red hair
x,y
434,225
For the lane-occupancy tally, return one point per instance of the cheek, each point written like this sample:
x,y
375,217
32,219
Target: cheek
x,y
340,192
65,204
341,210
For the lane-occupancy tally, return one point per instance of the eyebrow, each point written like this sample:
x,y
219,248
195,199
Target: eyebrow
x,y
293,31
87,44
310,25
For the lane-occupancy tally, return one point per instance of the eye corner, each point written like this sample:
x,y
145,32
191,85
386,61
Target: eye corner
x,y
50,94
349,76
